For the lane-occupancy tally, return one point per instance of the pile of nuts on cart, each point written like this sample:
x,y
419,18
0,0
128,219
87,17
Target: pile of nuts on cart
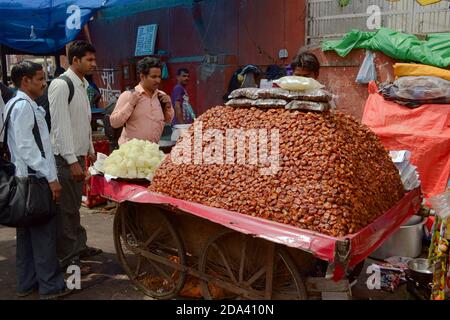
x,y
334,175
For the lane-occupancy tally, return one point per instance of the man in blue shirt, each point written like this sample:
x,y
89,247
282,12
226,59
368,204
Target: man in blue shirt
x,y
180,99
37,262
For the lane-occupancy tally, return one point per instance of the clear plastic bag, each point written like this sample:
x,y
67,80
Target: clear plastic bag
x,y
294,83
249,93
260,103
441,204
270,103
368,71
421,88
241,103
308,106
317,95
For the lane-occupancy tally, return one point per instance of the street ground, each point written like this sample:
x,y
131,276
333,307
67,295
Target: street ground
x,y
108,281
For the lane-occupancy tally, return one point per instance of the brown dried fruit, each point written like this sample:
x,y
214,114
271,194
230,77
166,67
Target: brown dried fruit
x,y
335,178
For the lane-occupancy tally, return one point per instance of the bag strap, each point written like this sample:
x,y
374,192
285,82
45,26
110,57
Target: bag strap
x,y
132,91
36,134
70,85
5,123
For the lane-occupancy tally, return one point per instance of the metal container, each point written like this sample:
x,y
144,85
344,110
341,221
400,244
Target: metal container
x,y
421,271
406,242
413,220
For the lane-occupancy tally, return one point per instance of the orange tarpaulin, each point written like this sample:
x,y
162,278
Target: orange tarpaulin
x,y
425,131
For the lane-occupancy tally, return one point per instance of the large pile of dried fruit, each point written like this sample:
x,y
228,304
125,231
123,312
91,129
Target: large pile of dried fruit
x,y
335,177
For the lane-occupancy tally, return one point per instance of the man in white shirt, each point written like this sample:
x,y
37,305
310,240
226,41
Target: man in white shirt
x,y
37,262
72,142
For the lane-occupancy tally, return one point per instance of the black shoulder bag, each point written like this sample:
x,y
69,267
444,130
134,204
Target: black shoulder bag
x,y
24,201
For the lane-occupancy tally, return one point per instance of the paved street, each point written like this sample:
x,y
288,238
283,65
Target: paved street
x,y
105,283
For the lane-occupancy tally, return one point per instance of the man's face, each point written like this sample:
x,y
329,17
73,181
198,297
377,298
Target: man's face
x,y
35,85
87,64
303,72
183,79
151,81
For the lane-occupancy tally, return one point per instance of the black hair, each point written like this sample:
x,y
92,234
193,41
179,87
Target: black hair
x,y
306,60
24,69
79,49
181,71
59,71
148,63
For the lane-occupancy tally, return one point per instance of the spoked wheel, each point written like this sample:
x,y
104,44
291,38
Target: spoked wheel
x,y
149,250
240,266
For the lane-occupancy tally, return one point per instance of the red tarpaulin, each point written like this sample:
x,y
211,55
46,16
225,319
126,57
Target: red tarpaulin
x,y
362,244
425,131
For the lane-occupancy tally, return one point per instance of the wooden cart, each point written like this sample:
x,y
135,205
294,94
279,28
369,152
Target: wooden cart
x,y
162,242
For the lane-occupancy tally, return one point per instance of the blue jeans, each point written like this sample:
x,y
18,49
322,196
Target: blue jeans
x,y
36,261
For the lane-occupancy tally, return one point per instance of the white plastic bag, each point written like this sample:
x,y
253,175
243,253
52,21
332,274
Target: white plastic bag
x,y
294,83
441,204
368,71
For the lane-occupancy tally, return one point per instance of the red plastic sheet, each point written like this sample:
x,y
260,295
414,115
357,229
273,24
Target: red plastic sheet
x,y
362,244
90,200
425,131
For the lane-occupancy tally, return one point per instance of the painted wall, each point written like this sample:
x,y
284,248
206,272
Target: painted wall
x,y
339,75
235,32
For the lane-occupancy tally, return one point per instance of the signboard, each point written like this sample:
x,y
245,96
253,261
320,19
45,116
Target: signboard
x,y
146,39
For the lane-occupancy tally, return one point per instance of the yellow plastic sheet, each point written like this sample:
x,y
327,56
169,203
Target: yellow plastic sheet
x,y
427,2
412,69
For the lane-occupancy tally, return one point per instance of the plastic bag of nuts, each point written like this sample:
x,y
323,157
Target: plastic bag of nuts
x,y
318,95
260,103
270,103
308,106
241,103
248,93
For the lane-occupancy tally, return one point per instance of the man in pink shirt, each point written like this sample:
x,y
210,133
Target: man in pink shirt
x,y
143,112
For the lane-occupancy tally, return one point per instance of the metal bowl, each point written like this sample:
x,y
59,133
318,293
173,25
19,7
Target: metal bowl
x,y
420,270
420,265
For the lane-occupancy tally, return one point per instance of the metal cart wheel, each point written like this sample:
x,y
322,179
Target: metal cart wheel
x,y
149,250
239,266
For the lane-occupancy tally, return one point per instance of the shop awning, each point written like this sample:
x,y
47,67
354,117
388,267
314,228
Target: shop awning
x,y
46,26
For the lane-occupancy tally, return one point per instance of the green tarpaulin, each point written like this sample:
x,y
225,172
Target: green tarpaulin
x,y
434,50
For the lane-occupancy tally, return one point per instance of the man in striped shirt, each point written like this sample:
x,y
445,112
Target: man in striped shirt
x,y
72,142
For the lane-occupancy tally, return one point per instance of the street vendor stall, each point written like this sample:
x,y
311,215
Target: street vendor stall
x,y
326,194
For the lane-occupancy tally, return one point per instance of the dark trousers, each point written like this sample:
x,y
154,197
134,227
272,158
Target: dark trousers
x,y
71,235
36,260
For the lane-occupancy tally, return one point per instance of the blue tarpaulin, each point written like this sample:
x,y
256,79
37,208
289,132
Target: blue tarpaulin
x,y
46,26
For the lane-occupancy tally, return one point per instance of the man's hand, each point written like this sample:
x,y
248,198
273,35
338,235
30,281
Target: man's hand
x,y
55,187
179,112
92,158
76,173
165,100
134,98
